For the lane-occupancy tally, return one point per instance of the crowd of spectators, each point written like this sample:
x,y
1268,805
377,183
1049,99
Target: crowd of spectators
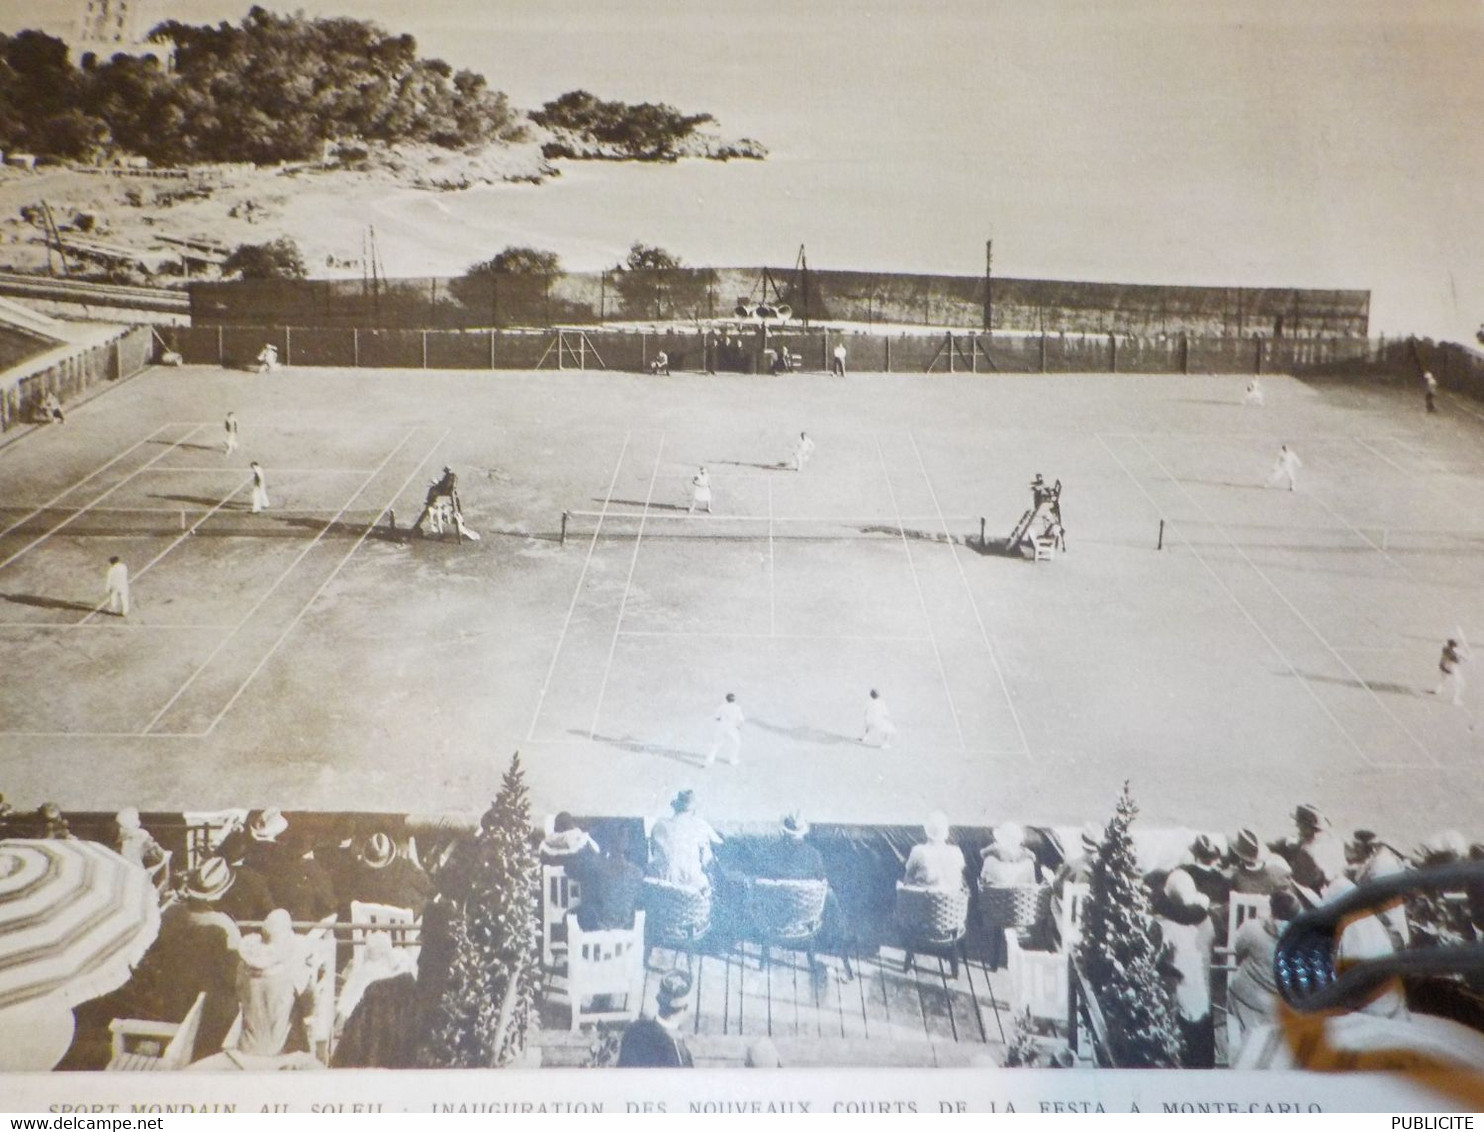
x,y
238,916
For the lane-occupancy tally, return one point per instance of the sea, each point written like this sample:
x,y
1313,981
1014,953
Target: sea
x,y
1331,143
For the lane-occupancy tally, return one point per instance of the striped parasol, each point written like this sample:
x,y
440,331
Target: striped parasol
x,y
74,919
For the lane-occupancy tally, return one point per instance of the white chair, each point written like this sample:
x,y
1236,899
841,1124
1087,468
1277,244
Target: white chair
x,y
1243,906
605,969
399,923
321,945
1038,980
1073,901
560,894
145,1046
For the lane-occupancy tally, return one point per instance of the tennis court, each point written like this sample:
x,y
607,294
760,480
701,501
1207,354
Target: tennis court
x,y
312,657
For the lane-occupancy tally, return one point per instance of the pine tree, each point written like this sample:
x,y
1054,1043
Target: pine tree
x,y
1119,955
488,1000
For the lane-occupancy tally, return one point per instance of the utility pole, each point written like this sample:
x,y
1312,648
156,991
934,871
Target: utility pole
x,y
989,287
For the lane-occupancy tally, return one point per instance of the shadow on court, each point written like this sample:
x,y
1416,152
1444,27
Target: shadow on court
x,y
807,734
1369,685
634,747
38,602
781,466
640,503
191,447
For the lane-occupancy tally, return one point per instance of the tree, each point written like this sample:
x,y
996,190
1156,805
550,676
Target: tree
x,y
647,257
280,259
1119,955
512,287
487,1002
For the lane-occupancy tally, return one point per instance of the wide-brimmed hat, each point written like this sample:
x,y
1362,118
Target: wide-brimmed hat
x,y
209,880
1247,846
795,826
1309,817
268,825
1205,850
674,992
127,818
379,851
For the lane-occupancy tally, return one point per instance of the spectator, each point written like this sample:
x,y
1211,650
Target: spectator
x,y
51,825
566,841
301,885
1370,859
266,850
1007,861
382,874
1366,937
378,1009
1252,995
610,885
680,846
1257,872
1211,880
1317,856
134,843
1187,934
239,893
658,1043
789,856
936,863
195,952
1074,870
275,989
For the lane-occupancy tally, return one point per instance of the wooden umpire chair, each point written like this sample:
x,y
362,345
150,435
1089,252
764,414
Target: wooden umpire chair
x,y
140,1046
605,969
1038,980
934,921
560,894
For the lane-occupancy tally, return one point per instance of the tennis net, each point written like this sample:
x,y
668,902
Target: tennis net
x,y
201,522
701,526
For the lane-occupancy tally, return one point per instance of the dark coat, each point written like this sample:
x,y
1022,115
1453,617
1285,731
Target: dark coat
x,y
382,1031
648,1045
610,891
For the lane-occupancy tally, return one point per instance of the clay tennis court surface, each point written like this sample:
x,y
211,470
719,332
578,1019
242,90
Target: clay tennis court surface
x,y
1274,651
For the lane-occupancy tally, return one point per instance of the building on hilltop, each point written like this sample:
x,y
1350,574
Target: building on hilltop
x,y
105,28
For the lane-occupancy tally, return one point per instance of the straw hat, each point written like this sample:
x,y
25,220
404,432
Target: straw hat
x,y
378,852
1309,817
210,880
268,825
1248,847
1205,850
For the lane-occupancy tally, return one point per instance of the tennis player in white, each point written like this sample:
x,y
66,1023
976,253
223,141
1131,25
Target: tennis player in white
x,y
729,721
880,730
803,449
700,491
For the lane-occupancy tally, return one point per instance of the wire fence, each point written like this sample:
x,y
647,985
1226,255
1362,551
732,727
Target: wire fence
x,y
69,373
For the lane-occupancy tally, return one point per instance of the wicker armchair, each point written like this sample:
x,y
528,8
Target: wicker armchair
x,y
1018,908
933,920
786,913
676,915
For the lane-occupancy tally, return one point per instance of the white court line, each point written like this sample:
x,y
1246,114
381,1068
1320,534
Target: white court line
x,y
1462,403
275,468
1295,609
1251,620
292,423
137,574
65,522
577,590
1372,543
772,581
724,635
314,597
79,483
191,679
95,735
1378,454
1025,747
123,624
627,586
927,618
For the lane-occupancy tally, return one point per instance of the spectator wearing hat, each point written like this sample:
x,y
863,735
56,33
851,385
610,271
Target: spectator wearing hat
x,y
1188,937
382,874
195,952
1252,994
301,885
133,842
789,856
937,862
1006,863
610,884
377,1009
276,983
266,848
1317,856
239,893
680,846
658,1042
565,842
1257,872
1212,880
